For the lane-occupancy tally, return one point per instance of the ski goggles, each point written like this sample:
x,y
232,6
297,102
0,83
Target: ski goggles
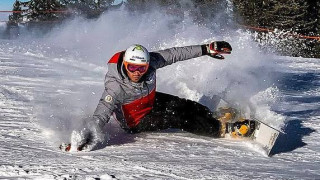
x,y
133,68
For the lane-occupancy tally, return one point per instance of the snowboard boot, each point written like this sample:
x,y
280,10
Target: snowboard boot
x,y
233,123
225,115
242,128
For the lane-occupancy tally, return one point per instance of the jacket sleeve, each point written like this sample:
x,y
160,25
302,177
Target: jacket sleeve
x,y
108,101
169,56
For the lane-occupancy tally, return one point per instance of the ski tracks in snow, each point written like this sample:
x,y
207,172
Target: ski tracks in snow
x,y
29,80
24,151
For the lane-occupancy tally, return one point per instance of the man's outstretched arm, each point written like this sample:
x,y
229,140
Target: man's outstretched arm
x,y
169,56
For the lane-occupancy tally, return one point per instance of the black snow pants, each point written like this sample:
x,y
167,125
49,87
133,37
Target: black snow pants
x,y
173,112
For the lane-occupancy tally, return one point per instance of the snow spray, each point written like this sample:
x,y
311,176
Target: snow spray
x,y
244,78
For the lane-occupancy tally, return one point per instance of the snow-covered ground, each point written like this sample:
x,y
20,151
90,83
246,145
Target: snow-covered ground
x,y
48,85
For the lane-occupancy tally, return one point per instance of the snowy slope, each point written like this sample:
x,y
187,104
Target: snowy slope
x,y
49,84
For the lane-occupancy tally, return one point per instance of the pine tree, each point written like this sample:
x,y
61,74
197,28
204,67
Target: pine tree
x,y
89,8
44,10
292,15
207,10
16,16
317,9
301,16
246,11
143,6
317,43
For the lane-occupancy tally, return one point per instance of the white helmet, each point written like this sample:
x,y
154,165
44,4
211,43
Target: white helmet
x,y
137,54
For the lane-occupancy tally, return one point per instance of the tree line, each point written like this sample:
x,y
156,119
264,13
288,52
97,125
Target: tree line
x,y
56,10
300,16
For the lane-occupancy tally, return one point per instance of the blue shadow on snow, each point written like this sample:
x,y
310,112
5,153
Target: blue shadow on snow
x,y
292,139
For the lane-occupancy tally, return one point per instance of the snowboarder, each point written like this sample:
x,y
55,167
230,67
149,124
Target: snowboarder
x,y
130,93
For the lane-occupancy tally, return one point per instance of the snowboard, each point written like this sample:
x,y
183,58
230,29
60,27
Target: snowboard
x,y
235,125
265,135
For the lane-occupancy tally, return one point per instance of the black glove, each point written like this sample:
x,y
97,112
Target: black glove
x,y
91,137
216,48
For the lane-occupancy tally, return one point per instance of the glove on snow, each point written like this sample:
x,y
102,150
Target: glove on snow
x,y
216,48
89,138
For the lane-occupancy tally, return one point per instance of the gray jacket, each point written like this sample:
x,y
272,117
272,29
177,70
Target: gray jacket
x,y
130,101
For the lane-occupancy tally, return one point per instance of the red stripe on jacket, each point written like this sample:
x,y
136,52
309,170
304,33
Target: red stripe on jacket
x,y
136,110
